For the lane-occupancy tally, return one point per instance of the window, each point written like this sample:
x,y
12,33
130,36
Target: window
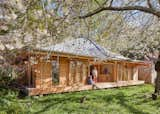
x,y
106,69
55,72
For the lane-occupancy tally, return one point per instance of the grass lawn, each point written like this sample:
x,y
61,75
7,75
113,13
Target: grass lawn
x,y
125,100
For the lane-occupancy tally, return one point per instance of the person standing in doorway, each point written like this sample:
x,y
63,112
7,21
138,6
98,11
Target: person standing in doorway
x,y
94,74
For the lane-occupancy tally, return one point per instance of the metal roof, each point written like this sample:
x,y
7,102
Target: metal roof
x,y
84,47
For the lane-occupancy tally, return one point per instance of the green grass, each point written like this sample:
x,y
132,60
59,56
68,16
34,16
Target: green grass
x,y
125,100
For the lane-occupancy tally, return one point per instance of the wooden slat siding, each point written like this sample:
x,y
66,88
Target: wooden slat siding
x,y
135,75
125,72
115,72
43,73
132,72
29,73
98,69
34,68
123,75
129,72
76,76
145,73
118,71
63,73
121,72
70,74
112,73
85,73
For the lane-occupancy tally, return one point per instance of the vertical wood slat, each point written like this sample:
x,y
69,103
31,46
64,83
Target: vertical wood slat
x,y
68,76
76,74
129,73
29,72
63,71
115,78
98,72
125,72
118,73
121,72
135,74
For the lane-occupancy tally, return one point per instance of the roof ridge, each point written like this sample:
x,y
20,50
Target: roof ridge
x,y
95,45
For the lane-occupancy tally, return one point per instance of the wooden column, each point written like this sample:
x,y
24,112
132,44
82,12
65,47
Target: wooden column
x,y
135,74
69,73
76,74
121,70
115,78
29,72
98,72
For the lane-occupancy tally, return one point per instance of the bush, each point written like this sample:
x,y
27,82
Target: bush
x,y
7,75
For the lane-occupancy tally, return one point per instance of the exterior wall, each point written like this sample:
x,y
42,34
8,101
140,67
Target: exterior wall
x,y
146,73
106,72
41,73
78,72
73,73
135,73
63,71
126,72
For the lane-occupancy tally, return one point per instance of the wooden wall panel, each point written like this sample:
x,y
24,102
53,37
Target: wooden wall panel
x,y
145,73
78,72
64,71
125,71
43,72
84,73
109,77
72,72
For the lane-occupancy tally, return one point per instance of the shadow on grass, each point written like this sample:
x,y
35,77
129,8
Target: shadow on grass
x,y
123,101
53,102
120,97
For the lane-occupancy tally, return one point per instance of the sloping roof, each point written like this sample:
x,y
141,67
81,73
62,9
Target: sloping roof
x,y
85,47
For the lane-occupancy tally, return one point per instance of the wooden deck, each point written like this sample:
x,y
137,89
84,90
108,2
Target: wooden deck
x,y
60,89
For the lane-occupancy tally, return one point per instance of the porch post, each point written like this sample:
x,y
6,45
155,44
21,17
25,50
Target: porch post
x,y
135,74
115,78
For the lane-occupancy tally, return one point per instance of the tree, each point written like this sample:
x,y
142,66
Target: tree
x,y
109,5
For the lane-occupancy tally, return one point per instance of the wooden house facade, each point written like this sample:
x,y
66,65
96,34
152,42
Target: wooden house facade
x,y
56,71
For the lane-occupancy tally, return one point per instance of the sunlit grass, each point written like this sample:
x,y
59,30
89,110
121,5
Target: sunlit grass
x,y
125,100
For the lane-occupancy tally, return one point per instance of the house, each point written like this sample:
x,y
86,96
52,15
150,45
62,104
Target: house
x,y
66,66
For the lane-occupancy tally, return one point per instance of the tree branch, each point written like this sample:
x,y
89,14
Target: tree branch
x,y
111,3
125,8
97,2
149,3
